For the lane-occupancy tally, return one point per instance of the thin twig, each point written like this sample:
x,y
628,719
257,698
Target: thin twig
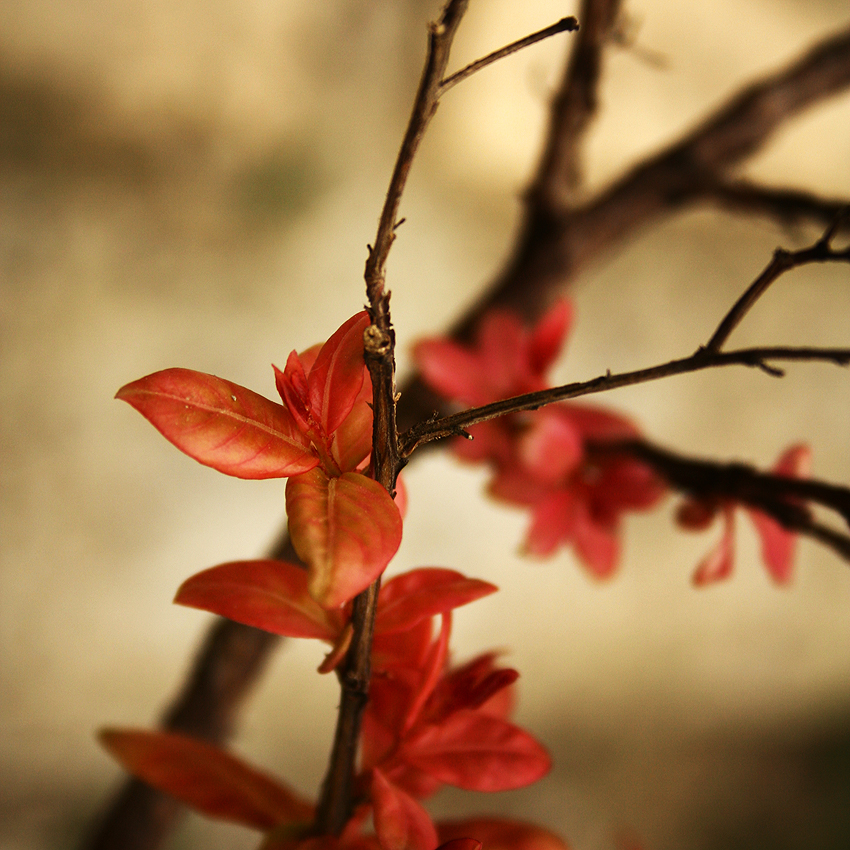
x,y
457,423
440,39
564,25
783,261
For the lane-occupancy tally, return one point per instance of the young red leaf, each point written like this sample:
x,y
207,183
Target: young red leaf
x,y
429,674
547,337
717,564
400,822
206,778
415,595
221,424
501,834
292,386
471,686
480,753
268,595
351,443
337,375
345,528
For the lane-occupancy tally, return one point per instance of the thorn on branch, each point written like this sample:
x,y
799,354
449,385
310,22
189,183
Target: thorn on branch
x,y
770,370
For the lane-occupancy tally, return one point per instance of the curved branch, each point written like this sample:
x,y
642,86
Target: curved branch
x,y
779,496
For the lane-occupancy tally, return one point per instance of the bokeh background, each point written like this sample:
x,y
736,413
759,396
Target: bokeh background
x,y
194,183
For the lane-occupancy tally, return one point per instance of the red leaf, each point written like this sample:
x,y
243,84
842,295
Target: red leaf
x,y
221,424
777,543
430,672
268,595
206,778
352,441
480,753
346,529
400,822
413,596
291,384
471,686
337,375
501,834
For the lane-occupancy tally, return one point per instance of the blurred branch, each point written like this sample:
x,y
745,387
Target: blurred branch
x,y
779,496
572,110
553,246
787,207
555,241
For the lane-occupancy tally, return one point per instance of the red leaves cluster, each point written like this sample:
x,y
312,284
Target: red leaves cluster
x,y
543,459
426,724
343,524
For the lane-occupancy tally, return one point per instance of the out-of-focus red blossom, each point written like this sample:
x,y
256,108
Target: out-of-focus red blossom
x,y
777,543
543,460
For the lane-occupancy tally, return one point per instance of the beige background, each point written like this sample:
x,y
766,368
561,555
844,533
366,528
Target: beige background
x,y
194,184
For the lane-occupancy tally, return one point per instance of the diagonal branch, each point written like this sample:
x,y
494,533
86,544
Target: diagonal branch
x,y
456,424
787,207
572,110
779,496
552,248
783,261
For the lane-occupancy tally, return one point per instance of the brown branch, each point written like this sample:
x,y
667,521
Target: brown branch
x,y
779,496
457,423
336,801
783,261
564,25
572,110
440,39
553,248
788,207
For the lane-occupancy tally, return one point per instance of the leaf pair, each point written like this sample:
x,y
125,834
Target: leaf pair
x,y
274,596
344,525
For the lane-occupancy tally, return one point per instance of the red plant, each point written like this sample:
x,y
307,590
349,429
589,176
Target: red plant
x,y
410,721
426,723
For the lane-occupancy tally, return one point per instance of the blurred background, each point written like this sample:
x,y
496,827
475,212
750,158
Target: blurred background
x,y
194,184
